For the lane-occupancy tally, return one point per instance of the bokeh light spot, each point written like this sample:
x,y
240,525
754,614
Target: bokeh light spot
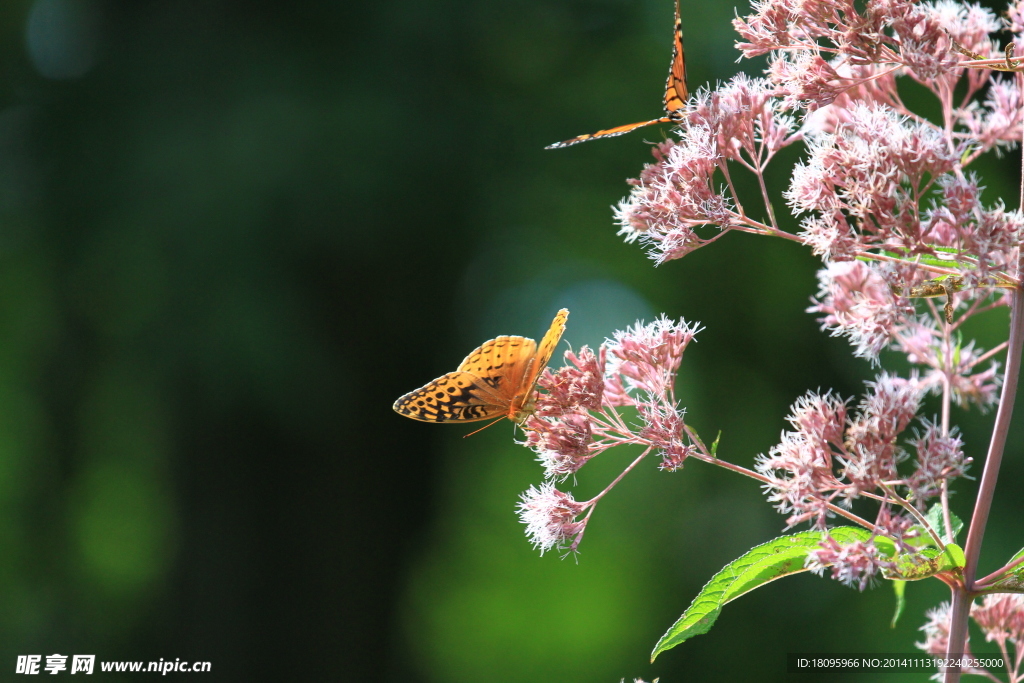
x,y
61,37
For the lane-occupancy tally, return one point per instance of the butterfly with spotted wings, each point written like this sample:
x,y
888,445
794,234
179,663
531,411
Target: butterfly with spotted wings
x,y
676,93
496,380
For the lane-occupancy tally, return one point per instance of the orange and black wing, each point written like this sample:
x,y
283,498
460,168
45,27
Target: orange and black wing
x,y
608,133
522,402
676,91
547,347
453,397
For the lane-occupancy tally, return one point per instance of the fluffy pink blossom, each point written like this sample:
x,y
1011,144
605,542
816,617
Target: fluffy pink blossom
x,y
858,304
1001,618
832,456
829,235
872,169
936,630
550,517
802,481
745,117
663,429
868,84
856,564
980,388
836,25
674,196
648,356
1015,16
871,451
939,458
562,445
960,369
800,467
925,42
576,419
820,419
996,122
807,80
577,385
916,36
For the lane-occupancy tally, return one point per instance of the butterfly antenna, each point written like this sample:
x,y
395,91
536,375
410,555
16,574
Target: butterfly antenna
x,y
489,424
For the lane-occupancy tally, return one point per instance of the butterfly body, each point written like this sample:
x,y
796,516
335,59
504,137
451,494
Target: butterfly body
x,y
676,92
495,380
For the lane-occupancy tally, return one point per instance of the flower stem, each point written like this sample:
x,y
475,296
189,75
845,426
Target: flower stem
x,y
964,595
739,469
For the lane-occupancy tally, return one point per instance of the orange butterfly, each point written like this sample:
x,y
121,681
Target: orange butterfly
x,y
676,93
496,380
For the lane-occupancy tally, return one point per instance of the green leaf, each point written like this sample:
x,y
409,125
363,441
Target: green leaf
x,y
760,565
714,445
899,588
938,523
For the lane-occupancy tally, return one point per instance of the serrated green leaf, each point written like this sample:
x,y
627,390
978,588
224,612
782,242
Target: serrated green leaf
x,y
900,589
762,564
937,521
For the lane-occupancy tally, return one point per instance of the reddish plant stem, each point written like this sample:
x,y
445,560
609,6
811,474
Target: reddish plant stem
x,y
964,595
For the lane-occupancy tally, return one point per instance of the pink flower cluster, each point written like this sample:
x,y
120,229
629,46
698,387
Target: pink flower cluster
x,y
936,630
740,122
674,196
856,302
578,417
832,457
883,192
859,304
550,516
1000,617
855,564
884,196
916,36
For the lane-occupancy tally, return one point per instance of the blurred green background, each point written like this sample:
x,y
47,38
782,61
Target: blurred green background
x,y
232,233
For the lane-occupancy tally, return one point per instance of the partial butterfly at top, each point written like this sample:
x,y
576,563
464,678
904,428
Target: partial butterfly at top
x,y
676,93
494,381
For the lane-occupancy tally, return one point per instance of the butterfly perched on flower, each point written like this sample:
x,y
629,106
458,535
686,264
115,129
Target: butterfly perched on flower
x,y
676,93
495,380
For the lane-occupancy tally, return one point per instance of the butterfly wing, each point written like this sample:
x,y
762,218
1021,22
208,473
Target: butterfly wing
x,y
453,397
501,364
547,347
550,342
676,90
608,133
